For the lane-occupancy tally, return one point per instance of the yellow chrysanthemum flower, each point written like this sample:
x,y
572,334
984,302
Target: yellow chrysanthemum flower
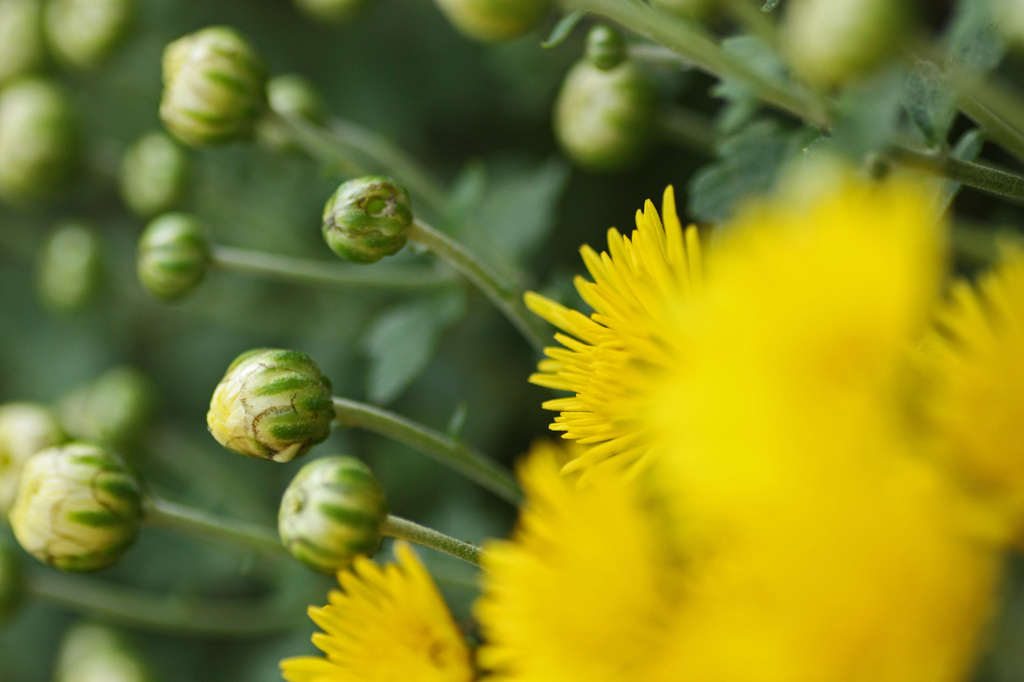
x,y
388,624
794,526
973,365
633,281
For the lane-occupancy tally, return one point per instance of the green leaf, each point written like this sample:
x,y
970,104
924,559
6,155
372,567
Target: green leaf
x,y
402,341
467,192
928,101
562,29
748,165
972,41
769,5
869,114
457,420
741,104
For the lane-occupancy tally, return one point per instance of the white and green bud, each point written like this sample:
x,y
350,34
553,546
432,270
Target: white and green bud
x,y
82,32
214,87
21,38
605,120
173,256
291,96
830,41
12,585
78,508
332,512
38,144
154,175
69,269
368,218
330,10
25,429
606,48
495,20
271,404
95,653
115,408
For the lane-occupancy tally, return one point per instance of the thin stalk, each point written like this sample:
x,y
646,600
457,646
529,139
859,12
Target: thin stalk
x,y
697,46
172,613
659,56
317,272
198,522
404,529
504,295
445,449
968,173
689,129
319,143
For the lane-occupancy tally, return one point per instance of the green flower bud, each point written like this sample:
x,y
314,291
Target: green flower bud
x,y
154,175
290,95
78,507
115,408
494,20
69,269
330,10
173,256
21,38
37,140
332,512
214,86
367,218
271,404
605,120
606,47
829,41
11,583
25,429
95,653
82,32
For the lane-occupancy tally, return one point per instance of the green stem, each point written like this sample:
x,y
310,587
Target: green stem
x,y
319,144
968,173
445,449
173,613
657,55
505,296
689,129
403,529
698,47
198,522
998,115
316,272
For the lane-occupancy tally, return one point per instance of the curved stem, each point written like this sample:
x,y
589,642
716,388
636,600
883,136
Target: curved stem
x,y
505,296
198,522
319,144
289,268
404,529
968,173
445,449
173,613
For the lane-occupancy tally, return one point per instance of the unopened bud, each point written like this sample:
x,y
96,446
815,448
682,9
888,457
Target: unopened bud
x,y
605,120
115,408
37,140
12,586
82,32
606,47
25,429
95,653
214,86
173,256
293,96
330,10
78,507
271,404
830,41
21,38
332,512
70,267
154,175
494,20
367,218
